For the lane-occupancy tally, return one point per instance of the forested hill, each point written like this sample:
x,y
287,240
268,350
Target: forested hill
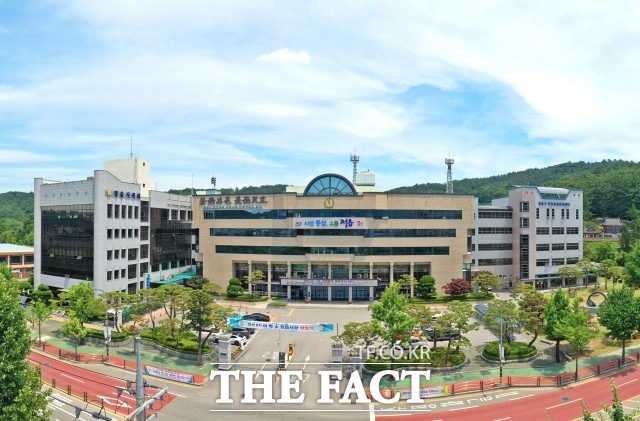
x,y
610,188
495,186
16,218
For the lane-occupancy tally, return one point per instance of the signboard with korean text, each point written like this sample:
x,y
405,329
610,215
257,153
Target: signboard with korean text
x,y
330,282
232,202
291,327
330,223
168,374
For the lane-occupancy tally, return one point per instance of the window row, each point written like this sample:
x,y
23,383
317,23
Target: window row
x,y
122,211
557,261
122,233
331,213
268,232
356,251
495,262
557,230
131,272
557,246
495,230
17,259
495,214
130,254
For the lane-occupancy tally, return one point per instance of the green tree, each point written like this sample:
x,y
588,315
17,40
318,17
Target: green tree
x,y
578,331
21,394
200,315
421,317
632,265
531,306
457,319
615,412
588,269
389,316
41,312
570,274
234,288
407,283
255,277
117,301
502,316
172,297
630,234
81,301
73,328
620,315
151,300
556,314
426,287
170,329
197,282
42,293
485,282
357,334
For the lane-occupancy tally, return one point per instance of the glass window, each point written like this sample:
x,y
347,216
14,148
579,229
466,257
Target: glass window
x,y
557,262
136,212
117,211
524,222
577,214
15,260
537,213
124,233
144,233
557,246
573,230
328,185
557,230
116,274
109,211
542,247
133,254
124,211
542,262
109,254
109,233
116,233
116,254
109,275
524,206
542,231
130,212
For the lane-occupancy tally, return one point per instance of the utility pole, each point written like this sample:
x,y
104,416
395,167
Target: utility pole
x,y
139,380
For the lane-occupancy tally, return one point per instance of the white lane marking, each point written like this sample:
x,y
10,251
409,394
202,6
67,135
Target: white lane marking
x,y
555,406
630,381
71,377
459,409
372,413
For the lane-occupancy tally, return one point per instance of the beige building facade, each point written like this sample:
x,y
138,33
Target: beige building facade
x,y
332,241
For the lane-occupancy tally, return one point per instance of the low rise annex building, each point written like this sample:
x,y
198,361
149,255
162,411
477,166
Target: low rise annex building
x,y
529,235
333,240
112,229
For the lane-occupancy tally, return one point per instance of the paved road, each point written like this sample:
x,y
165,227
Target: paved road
x,y
101,390
558,405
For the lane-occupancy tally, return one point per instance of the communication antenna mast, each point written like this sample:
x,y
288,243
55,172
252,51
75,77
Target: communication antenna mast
x,y
449,162
214,180
355,159
131,143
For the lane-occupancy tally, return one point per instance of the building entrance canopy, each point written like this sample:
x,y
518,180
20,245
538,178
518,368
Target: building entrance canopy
x,y
330,282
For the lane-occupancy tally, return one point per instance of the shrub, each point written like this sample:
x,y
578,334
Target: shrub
x,y
249,298
187,343
277,304
512,351
115,336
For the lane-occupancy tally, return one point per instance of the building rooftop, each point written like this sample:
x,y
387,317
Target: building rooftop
x,y
4,247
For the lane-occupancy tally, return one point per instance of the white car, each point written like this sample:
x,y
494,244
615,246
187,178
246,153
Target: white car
x,y
237,340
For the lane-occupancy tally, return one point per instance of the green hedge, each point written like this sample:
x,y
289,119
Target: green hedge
x,y
188,342
436,359
277,304
115,336
513,351
248,298
472,296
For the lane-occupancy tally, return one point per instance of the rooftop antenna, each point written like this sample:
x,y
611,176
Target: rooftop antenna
x,y
355,159
131,143
213,180
449,162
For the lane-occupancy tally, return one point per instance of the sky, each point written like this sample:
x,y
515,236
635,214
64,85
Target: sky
x,y
278,92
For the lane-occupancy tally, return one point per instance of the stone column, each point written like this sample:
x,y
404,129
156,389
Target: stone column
x,y
269,279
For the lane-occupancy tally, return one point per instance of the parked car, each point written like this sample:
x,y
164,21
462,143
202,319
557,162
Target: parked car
x,y
241,331
441,334
257,317
235,340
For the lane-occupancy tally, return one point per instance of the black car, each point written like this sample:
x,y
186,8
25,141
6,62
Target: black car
x,y
259,317
241,331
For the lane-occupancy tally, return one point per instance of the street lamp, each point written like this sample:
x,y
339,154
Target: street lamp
x,y
501,346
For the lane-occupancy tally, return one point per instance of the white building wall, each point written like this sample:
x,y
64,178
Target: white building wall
x,y
132,170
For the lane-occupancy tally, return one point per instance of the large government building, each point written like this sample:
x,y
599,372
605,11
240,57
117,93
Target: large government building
x,y
332,240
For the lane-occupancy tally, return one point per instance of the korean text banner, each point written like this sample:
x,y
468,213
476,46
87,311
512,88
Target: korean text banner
x,y
292,327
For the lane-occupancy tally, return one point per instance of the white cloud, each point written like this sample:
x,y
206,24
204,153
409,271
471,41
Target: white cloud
x,y
284,55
